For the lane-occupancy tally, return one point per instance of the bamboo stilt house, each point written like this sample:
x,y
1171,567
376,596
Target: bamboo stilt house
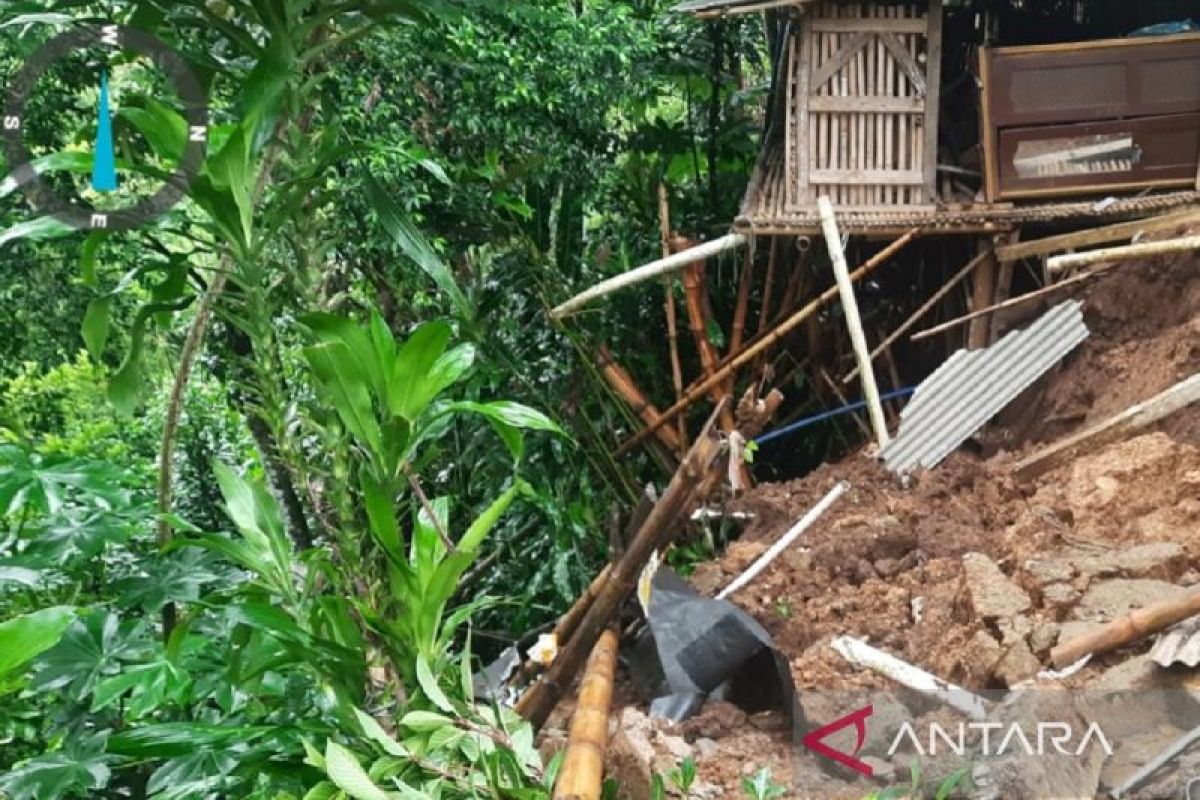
x,y
973,116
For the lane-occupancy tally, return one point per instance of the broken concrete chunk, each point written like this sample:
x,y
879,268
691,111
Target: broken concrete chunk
x,y
1107,600
993,595
1043,637
1017,664
983,653
1060,594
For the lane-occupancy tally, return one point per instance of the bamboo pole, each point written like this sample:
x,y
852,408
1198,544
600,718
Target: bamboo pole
x,y
697,312
858,339
662,266
1127,252
764,311
664,233
743,304
1016,301
623,384
1129,628
654,534
1136,417
582,773
766,342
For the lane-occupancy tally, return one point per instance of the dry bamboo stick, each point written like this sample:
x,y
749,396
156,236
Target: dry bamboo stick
x,y
654,534
764,311
743,304
664,232
858,339
841,398
1136,417
698,319
1131,627
662,266
1016,301
624,385
1131,251
582,773
782,329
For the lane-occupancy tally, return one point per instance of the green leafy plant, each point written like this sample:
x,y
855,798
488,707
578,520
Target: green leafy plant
x,y
761,787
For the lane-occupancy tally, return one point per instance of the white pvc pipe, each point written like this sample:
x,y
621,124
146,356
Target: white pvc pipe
x,y
858,652
792,535
862,354
662,266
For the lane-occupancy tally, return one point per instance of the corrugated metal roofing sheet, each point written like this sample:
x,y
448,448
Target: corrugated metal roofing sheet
x,y
1178,645
973,386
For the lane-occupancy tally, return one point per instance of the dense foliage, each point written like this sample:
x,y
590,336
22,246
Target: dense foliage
x,y
381,462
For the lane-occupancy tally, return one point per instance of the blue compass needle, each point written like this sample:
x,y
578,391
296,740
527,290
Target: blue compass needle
x,y
104,163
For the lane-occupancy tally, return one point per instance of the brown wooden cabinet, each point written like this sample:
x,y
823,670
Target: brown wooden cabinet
x,y
1090,117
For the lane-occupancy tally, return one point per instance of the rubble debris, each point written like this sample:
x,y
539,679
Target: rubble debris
x,y
862,654
785,541
993,595
1129,628
1178,746
971,387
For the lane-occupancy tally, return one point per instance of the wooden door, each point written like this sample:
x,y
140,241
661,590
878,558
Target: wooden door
x,y
862,105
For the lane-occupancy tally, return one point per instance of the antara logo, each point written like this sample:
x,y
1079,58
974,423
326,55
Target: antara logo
x,y
813,741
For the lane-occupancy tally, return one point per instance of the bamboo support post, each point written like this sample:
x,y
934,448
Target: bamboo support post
x,y
662,266
766,342
698,320
983,295
1128,252
623,384
1179,396
764,310
850,307
582,773
1129,628
664,232
654,534
743,303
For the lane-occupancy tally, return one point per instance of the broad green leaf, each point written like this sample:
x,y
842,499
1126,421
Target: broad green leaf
x,y
171,739
78,161
414,245
95,326
423,721
430,687
344,770
231,169
381,515
375,732
412,389
35,230
510,413
325,790
163,127
25,637
347,393
87,257
484,523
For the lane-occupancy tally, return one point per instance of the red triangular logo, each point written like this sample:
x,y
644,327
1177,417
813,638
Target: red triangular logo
x,y
856,718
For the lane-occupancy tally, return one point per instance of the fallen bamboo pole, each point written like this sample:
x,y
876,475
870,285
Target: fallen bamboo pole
x,y
1016,301
662,266
582,773
623,384
1125,253
1141,415
858,339
1129,628
747,355
655,533
803,524
1094,236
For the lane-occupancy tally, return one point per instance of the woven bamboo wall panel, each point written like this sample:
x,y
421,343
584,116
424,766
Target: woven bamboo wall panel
x,y
862,105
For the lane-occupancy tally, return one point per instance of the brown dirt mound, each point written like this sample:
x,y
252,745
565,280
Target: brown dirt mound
x,y
886,562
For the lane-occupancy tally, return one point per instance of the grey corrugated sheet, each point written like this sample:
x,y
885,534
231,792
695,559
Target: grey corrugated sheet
x,y
1178,645
730,6
972,387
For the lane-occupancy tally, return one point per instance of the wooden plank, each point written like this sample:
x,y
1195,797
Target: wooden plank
x,y
1104,235
983,290
1096,44
1136,417
991,180
883,105
857,177
933,64
905,61
869,25
843,55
